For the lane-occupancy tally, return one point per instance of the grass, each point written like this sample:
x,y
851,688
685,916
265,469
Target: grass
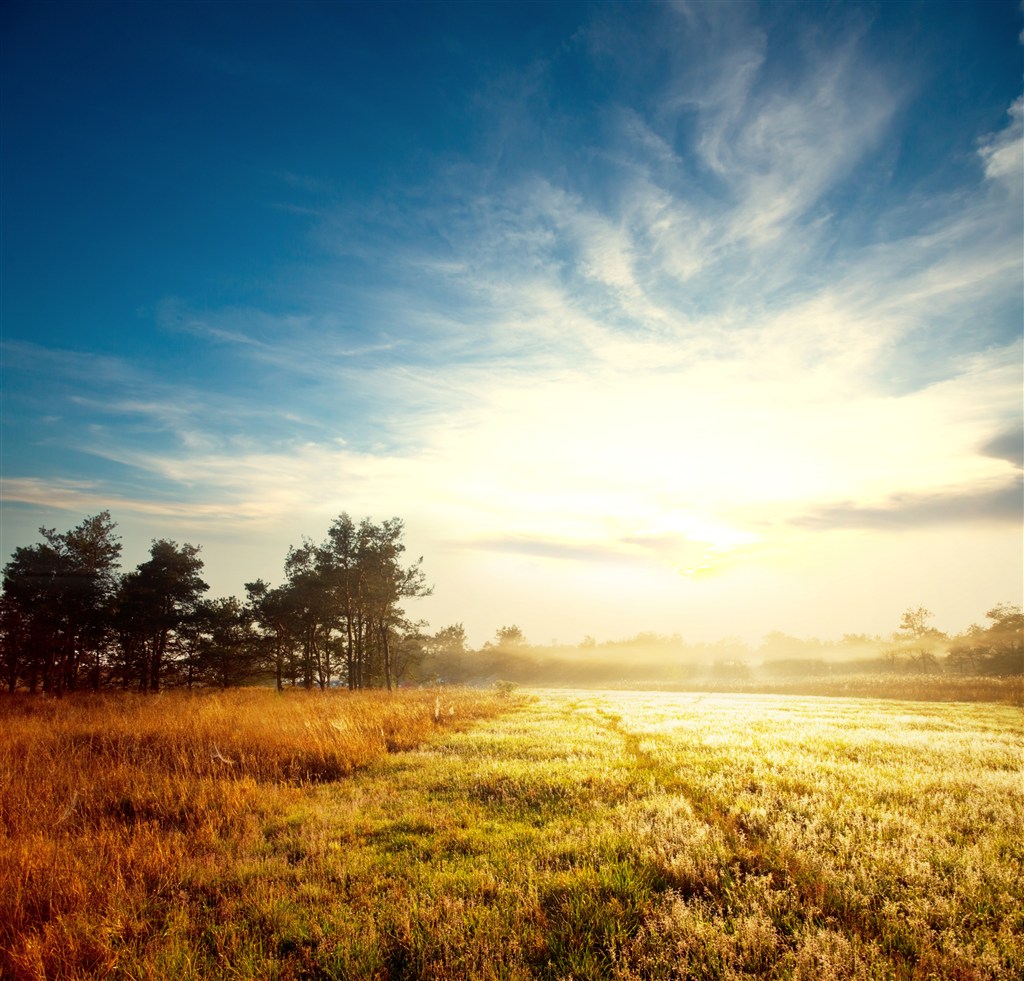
x,y
916,686
575,835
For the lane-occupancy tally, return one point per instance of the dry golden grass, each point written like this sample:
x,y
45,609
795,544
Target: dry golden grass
x,y
113,806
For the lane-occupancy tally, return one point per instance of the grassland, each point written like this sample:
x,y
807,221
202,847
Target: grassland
x,y
906,687
573,835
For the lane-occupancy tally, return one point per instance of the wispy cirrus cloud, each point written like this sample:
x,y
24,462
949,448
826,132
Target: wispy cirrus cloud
x,y
1001,504
78,497
1003,152
303,344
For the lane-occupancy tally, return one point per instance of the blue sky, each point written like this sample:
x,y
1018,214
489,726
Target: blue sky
x,y
697,318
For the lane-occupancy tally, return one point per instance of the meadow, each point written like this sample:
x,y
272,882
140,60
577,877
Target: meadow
x,y
453,834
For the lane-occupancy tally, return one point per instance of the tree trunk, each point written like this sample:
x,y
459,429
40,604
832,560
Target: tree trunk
x,y
386,650
350,663
279,662
156,662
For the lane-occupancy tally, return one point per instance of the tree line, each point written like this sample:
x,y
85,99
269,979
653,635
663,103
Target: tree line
x,y
996,648
915,648
69,619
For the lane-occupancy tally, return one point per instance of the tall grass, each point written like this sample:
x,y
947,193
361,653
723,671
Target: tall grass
x,y
113,806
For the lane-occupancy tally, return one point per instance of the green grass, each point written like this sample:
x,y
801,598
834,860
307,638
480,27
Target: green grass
x,y
592,836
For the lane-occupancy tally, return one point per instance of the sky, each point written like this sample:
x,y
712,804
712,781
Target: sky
x,y
695,318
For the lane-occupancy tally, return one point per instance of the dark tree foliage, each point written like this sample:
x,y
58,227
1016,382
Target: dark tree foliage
x,y
337,617
157,605
55,615
67,617
270,613
997,649
226,650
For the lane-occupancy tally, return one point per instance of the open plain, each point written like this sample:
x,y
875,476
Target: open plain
x,y
456,835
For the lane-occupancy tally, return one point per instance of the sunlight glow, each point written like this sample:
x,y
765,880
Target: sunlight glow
x,y
727,338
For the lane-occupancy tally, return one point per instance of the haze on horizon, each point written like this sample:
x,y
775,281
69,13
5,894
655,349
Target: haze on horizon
x,y
687,318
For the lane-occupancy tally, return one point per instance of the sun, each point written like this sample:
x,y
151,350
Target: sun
x,y
699,545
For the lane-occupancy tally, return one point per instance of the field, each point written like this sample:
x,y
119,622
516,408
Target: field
x,y
453,835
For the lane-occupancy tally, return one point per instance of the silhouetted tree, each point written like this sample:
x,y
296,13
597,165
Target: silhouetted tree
x,y
995,649
342,560
156,600
309,616
916,643
227,650
56,606
363,581
271,613
445,653
387,583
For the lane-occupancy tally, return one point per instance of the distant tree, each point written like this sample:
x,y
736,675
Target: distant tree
x,y
408,652
341,605
507,656
995,649
509,638
445,653
55,617
916,643
450,640
227,647
271,614
969,651
1006,638
155,603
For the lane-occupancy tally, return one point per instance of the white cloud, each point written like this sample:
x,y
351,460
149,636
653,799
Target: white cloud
x,y
1002,153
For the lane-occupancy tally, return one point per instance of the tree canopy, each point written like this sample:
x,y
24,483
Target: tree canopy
x,y
68,617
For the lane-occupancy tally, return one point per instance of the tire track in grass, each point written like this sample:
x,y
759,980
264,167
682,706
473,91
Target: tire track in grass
x,y
753,855
798,894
